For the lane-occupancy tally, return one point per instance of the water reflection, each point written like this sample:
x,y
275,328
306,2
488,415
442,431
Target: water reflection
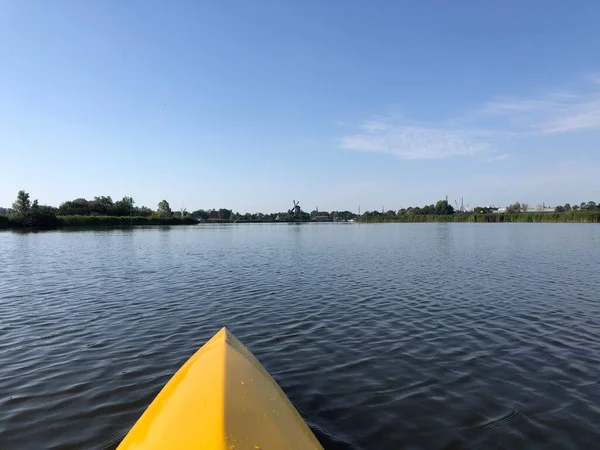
x,y
385,336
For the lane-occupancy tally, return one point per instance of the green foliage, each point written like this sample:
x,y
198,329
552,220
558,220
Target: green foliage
x,y
21,206
589,206
142,211
569,217
515,208
443,208
77,206
342,215
81,212
28,214
111,221
517,212
225,214
102,206
200,214
164,210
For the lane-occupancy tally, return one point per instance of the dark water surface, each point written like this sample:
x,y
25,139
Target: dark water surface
x,y
384,336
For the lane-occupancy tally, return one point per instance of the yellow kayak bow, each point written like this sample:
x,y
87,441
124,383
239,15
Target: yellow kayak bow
x,y
222,398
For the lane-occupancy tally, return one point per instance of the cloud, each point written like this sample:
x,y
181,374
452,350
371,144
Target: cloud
x,y
499,157
411,142
490,126
555,112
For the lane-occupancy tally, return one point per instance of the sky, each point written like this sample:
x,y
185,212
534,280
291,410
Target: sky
x,y
249,105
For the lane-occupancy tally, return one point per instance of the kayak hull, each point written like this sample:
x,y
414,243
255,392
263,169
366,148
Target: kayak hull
x,y
221,398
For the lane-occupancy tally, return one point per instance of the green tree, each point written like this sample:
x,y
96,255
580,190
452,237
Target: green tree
x,y
142,211
200,214
164,210
559,209
567,207
42,216
79,206
121,207
224,214
101,206
444,208
21,206
32,214
515,208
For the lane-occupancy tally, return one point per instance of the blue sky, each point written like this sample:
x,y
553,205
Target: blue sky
x,y
250,104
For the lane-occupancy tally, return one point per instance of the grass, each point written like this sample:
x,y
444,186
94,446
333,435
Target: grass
x,y
105,221
111,221
566,217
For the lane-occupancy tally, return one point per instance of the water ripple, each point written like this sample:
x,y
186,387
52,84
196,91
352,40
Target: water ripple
x,y
384,336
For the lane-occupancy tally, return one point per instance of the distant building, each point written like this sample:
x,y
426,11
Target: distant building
x,y
531,209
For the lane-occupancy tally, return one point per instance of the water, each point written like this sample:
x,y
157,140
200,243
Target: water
x,y
384,336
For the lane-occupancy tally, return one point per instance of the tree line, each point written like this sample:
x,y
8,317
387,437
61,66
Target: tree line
x,y
98,211
516,212
589,206
103,210
227,215
441,208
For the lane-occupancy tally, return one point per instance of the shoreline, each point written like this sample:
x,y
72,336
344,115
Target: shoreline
x,y
125,221
100,221
533,217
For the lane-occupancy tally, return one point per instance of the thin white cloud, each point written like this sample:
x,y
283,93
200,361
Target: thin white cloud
x,y
410,142
555,112
583,116
491,126
499,157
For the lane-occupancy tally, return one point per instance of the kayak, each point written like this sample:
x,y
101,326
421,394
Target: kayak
x,y
222,398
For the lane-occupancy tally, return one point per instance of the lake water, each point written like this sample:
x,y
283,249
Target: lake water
x,y
384,336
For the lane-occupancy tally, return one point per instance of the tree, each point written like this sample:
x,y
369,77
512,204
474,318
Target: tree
x,y
42,216
164,210
121,207
224,214
591,206
567,207
524,207
142,211
29,214
101,205
444,208
515,208
79,206
559,209
200,214
21,206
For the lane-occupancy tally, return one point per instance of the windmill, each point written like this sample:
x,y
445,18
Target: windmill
x,y
296,209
